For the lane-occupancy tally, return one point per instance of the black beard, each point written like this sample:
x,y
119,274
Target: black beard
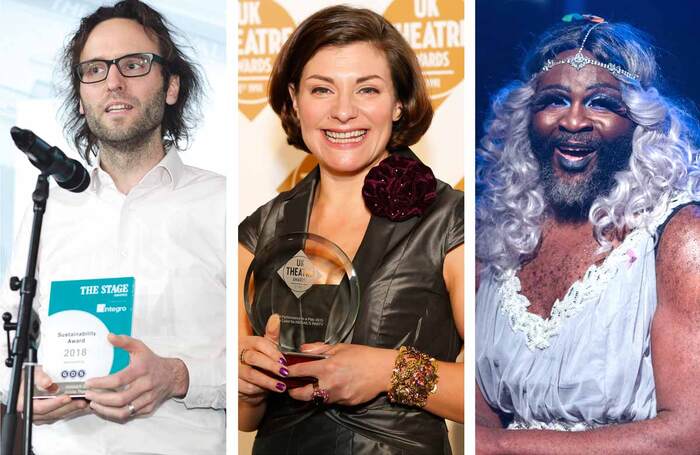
x,y
572,201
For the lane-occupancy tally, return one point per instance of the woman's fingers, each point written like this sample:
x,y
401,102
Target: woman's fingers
x,y
262,365
316,348
272,328
248,388
304,393
261,344
261,380
257,359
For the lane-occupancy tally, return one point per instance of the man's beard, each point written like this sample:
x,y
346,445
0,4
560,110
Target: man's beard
x,y
572,200
133,137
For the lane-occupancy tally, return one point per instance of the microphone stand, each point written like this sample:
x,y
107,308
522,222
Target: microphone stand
x,y
24,346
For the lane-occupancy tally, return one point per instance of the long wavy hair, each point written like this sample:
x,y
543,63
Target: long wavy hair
x,y
511,206
178,119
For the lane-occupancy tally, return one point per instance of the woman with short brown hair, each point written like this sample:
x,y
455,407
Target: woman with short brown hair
x,y
349,90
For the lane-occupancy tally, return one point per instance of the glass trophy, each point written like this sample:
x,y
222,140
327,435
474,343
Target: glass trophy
x,y
310,283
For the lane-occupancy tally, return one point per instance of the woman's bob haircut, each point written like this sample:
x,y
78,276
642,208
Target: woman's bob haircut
x,y
341,26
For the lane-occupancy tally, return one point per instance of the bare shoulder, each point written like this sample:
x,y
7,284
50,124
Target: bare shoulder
x,y
678,259
680,242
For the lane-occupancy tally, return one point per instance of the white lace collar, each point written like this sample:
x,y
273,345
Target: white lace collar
x,y
538,330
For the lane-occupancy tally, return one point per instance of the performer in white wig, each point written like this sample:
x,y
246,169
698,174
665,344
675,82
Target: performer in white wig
x,y
588,230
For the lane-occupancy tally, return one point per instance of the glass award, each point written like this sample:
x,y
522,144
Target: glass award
x,y
310,283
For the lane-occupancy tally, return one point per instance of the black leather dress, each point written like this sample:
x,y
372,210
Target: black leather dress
x,y
404,301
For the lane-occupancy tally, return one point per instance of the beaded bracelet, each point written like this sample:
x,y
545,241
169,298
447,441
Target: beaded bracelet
x,y
414,377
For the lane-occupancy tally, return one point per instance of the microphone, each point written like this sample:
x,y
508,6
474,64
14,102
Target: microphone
x,y
68,173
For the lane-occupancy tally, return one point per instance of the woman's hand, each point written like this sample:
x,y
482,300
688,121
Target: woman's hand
x,y
260,364
352,373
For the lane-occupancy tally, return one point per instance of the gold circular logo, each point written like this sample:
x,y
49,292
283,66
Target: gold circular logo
x,y
263,27
435,31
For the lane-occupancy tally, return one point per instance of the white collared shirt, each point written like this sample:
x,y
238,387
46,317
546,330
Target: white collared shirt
x,y
169,234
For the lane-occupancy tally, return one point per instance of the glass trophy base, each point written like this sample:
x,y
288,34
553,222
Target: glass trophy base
x,y
300,357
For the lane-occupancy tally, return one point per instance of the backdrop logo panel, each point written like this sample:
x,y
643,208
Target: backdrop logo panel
x,y
301,171
435,31
262,29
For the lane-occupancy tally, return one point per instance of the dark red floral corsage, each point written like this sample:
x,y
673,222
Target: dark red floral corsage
x,y
399,188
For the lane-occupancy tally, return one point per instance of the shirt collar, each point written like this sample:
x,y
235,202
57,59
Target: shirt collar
x,y
167,172
172,165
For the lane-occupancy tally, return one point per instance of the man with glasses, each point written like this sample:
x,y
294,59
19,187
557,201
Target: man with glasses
x,y
132,100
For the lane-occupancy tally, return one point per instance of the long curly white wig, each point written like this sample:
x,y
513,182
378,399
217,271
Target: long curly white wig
x,y
511,206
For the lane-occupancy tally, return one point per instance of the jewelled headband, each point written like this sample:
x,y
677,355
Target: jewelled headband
x,y
579,60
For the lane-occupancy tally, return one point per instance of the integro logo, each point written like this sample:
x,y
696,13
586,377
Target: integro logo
x,y
103,308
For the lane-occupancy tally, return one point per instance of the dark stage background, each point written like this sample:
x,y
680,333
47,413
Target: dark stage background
x,y
505,28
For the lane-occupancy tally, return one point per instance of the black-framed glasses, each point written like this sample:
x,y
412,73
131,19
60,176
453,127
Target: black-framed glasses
x,y
131,65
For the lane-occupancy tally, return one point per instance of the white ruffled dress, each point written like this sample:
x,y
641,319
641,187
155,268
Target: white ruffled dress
x,y
589,364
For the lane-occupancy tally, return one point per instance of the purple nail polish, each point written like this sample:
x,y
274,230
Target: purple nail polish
x,y
284,372
282,361
280,386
